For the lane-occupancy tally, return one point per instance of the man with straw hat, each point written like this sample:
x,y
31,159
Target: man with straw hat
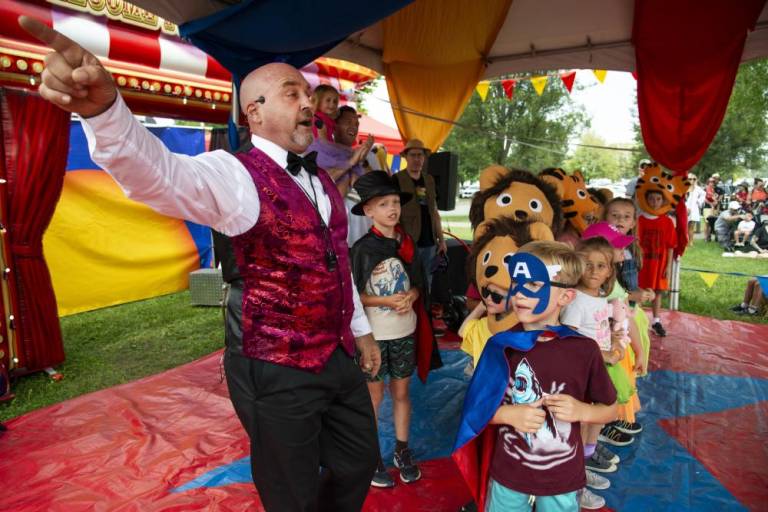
x,y
420,217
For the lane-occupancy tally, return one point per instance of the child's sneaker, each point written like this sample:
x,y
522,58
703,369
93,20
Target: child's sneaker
x,y
596,481
633,428
382,479
659,329
615,436
599,464
409,471
607,454
589,500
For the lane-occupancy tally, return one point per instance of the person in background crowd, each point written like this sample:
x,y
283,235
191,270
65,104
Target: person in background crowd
x,y
344,164
754,300
325,104
711,202
742,195
726,224
693,203
744,230
760,238
758,193
420,217
632,184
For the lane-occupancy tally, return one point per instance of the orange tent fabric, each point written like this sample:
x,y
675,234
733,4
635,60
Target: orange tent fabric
x,y
436,71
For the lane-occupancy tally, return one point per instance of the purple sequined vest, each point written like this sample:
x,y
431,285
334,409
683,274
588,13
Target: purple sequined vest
x,y
295,311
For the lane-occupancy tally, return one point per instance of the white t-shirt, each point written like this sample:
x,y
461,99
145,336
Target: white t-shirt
x,y
589,316
746,226
388,278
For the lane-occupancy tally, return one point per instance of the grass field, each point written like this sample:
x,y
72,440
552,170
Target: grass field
x,y
116,345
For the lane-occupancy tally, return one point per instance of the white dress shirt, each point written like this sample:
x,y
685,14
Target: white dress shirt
x,y
213,188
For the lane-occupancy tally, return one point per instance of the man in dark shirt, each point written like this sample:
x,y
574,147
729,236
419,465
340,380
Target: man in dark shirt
x,y
419,216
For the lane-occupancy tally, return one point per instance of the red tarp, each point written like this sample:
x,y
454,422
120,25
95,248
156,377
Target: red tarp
x,y
126,448
383,134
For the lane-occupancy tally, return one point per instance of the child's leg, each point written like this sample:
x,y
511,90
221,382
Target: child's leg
x,y
401,407
376,389
656,305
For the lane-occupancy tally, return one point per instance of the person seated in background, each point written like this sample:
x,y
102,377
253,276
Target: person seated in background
x,y
754,300
742,195
744,230
726,224
760,238
758,194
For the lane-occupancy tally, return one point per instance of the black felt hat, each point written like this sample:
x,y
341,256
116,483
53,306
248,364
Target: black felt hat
x,y
376,184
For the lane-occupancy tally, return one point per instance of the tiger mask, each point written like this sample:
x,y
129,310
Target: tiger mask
x,y
579,207
654,179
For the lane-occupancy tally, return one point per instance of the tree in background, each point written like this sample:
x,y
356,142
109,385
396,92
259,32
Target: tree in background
x,y
491,132
740,147
601,163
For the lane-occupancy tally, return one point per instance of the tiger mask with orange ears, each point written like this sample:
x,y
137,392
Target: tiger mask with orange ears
x,y
655,179
580,209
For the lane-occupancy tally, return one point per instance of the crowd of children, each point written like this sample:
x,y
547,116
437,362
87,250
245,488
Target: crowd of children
x,y
569,363
619,269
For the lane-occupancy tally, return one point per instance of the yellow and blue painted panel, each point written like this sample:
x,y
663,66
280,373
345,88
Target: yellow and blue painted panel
x,y
104,249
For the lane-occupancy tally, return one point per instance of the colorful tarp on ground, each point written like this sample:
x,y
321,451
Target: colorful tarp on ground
x,y
104,249
172,441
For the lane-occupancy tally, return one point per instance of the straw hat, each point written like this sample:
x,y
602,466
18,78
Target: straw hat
x,y
415,144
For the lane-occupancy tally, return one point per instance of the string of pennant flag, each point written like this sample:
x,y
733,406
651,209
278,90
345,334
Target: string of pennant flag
x,y
710,277
539,82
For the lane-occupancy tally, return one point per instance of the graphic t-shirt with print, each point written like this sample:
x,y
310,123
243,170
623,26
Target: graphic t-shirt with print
x,y
551,461
590,316
388,278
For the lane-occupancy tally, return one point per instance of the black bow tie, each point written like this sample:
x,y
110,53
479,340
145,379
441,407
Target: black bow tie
x,y
296,162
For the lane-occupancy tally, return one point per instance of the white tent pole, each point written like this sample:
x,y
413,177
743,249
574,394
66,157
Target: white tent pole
x,y
674,296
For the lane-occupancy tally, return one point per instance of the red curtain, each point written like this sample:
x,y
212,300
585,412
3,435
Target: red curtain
x,y
35,147
687,54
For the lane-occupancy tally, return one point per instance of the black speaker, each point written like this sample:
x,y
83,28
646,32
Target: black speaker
x,y
444,168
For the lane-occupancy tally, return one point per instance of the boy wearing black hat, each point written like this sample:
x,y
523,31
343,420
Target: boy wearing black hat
x,y
387,275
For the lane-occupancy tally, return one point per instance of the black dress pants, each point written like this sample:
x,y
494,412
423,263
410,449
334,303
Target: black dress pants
x,y
300,421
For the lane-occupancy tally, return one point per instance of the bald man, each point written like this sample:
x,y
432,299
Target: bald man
x,y
294,383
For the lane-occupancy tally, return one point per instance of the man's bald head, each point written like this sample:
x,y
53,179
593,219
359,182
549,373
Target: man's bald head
x,y
284,116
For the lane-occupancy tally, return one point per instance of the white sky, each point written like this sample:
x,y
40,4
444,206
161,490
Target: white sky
x,y
610,104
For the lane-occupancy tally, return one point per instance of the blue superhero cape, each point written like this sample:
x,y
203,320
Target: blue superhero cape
x,y
491,377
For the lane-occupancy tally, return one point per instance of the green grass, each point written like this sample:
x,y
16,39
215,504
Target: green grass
x,y
123,343
119,344
696,297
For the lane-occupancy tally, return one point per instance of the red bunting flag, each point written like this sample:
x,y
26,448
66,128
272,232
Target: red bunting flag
x,y
509,87
568,79
634,75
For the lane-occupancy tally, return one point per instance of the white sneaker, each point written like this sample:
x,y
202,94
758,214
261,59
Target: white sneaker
x,y
596,481
589,500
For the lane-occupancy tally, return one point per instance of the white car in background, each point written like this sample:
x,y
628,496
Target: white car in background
x,y
468,191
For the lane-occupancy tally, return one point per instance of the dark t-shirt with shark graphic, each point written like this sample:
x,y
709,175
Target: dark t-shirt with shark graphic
x,y
551,461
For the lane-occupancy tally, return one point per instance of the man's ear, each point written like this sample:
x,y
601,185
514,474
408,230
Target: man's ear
x,y
253,113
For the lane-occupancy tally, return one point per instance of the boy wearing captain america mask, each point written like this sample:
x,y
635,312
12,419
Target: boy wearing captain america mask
x,y
519,437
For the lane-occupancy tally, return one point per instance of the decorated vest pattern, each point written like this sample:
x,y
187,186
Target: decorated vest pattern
x,y
295,310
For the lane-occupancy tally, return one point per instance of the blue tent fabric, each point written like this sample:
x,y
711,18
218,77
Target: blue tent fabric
x,y
253,33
